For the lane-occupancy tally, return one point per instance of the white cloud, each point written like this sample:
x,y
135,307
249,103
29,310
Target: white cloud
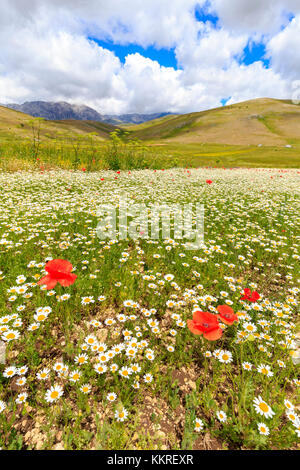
x,y
255,16
45,53
284,51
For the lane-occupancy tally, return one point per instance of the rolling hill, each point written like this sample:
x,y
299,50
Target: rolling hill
x,y
262,121
16,125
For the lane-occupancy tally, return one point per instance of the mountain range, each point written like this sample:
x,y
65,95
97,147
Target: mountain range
x,y
56,111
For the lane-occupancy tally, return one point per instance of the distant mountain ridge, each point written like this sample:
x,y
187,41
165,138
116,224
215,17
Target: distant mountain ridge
x,y
56,111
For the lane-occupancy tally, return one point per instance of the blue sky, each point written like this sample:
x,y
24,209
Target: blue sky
x,y
165,57
253,52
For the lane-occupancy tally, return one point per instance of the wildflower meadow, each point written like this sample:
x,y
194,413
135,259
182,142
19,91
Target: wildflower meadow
x,y
143,342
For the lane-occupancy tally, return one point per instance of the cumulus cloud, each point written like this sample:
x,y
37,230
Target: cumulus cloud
x,y
283,50
46,53
255,16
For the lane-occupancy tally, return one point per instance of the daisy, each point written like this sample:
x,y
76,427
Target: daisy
x,y
74,376
118,348
293,417
148,378
263,429
131,352
22,370
100,368
102,347
281,364
43,374
58,367
198,425
87,300
121,415
265,369
250,327
150,356
111,396
54,393
2,406
9,372
33,327
5,319
114,367
90,340
247,366
81,359
22,381
10,335
122,318
225,357
103,357
125,372
289,405
21,398
85,388
262,408
135,368
221,415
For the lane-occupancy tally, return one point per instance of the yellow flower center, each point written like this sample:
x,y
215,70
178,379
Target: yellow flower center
x,y
264,407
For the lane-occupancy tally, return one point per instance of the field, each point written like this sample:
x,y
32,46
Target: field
x,y
262,133
108,357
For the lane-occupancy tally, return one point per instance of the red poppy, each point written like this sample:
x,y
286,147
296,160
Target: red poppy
x,y
208,181
251,296
59,270
206,324
227,315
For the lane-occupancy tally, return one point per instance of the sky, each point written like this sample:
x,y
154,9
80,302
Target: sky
x,y
149,56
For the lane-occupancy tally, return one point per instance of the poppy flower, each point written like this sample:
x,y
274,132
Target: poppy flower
x,y
251,296
226,314
208,181
206,324
59,270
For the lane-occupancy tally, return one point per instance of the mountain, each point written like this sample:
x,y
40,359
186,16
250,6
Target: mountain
x,y
133,118
57,111
61,111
